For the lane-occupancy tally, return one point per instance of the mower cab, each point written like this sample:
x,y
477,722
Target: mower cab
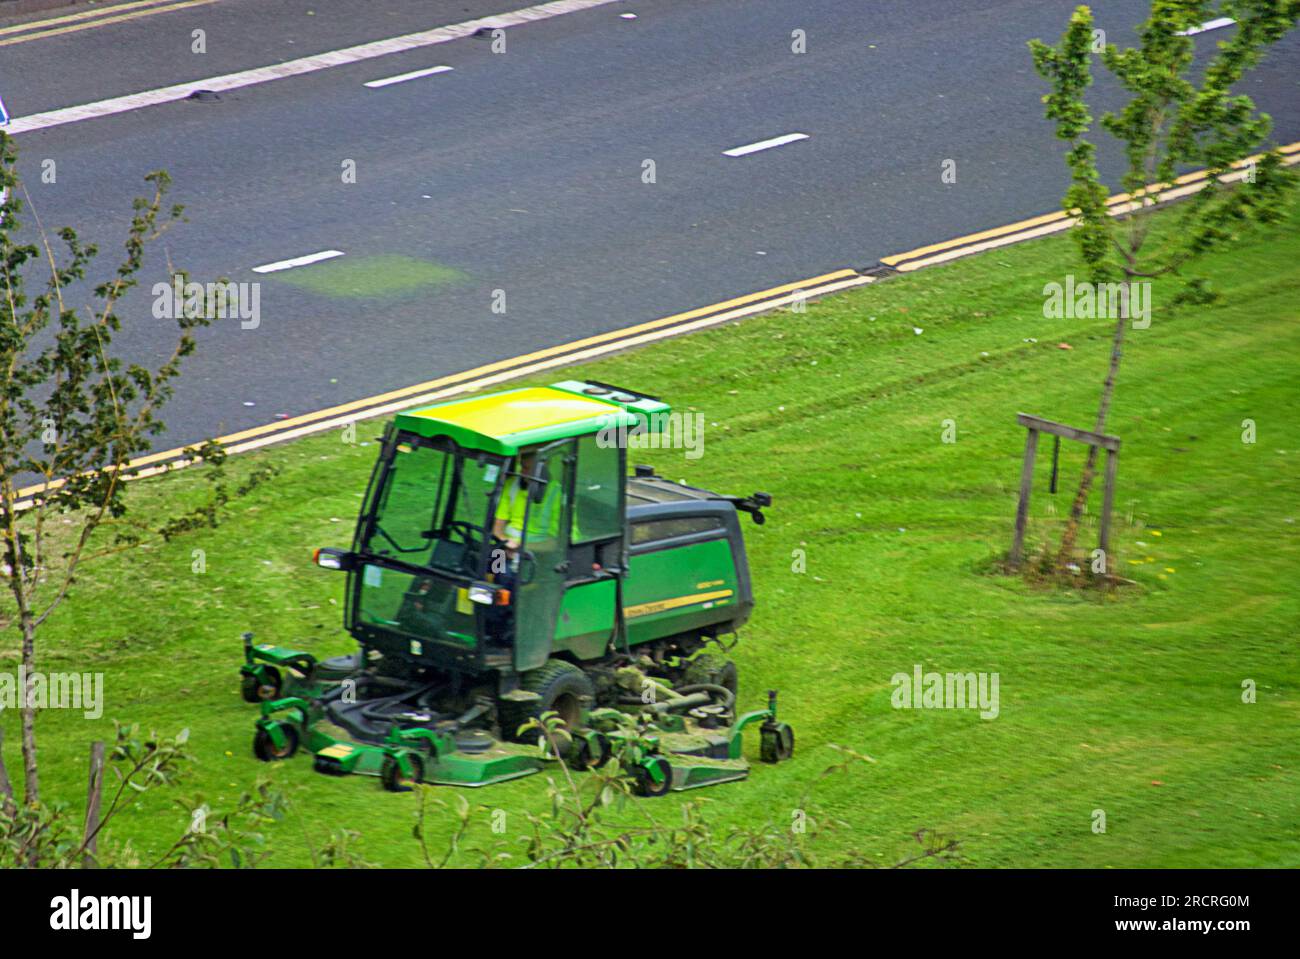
x,y
478,515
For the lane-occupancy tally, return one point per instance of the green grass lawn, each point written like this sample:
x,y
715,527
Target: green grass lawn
x,y
1129,703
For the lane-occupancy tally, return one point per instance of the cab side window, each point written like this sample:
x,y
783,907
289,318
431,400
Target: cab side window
x,y
598,491
652,531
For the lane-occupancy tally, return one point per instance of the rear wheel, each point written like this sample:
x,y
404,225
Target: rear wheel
x,y
394,780
593,752
777,743
561,687
265,749
644,777
257,689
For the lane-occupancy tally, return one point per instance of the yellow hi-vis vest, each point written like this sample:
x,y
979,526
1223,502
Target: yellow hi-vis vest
x,y
512,507
543,521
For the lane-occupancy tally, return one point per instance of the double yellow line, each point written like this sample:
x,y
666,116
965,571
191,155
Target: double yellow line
x,y
87,19
1037,226
489,374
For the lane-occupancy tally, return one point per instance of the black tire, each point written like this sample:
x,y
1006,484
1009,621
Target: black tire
x,y
265,750
259,691
588,757
777,743
390,773
713,670
561,687
645,784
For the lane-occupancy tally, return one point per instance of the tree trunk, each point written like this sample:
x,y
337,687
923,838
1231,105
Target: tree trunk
x,y
31,779
1066,554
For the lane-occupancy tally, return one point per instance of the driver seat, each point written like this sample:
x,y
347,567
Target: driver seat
x,y
448,554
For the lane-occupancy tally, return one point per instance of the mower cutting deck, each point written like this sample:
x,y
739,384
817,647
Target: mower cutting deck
x,y
393,729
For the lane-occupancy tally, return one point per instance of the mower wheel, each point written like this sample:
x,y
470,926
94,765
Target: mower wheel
x,y
645,782
560,687
390,774
255,690
264,747
714,670
592,752
777,744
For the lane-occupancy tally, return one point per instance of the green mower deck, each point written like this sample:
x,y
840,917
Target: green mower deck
x,y
667,752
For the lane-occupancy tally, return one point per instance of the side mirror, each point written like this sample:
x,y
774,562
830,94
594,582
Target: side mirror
x,y
537,480
329,558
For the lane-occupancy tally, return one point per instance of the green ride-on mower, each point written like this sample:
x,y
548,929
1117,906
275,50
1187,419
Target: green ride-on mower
x,y
506,566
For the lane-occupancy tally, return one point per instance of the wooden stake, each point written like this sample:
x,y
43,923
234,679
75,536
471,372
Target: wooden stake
x,y
94,794
6,787
1035,425
1108,499
1022,508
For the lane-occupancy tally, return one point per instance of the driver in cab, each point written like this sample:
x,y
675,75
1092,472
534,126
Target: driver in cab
x,y
508,527
514,516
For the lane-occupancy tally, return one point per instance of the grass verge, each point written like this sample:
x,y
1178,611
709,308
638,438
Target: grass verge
x,y
1130,703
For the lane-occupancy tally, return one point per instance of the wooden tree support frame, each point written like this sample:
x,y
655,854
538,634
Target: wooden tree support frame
x,y
1036,425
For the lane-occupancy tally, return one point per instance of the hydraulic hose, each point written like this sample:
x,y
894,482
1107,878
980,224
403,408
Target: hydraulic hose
x,y
728,697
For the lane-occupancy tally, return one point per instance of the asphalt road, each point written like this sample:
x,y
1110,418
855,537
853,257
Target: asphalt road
x,y
522,171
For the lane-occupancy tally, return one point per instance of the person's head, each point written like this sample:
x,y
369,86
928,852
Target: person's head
x,y
527,460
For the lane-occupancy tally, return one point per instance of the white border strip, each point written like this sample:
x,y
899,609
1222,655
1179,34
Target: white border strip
x,y
764,145
292,68
403,77
279,265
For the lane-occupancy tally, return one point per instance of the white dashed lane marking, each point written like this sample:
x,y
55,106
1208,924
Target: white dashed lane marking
x,y
1208,25
765,145
403,77
297,261
292,68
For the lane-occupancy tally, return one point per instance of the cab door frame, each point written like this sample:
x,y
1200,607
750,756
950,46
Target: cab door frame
x,y
537,601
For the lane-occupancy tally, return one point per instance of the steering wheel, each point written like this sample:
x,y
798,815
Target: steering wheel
x,y
469,536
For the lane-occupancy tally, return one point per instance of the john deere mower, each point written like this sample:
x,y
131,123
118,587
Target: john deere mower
x,y
504,567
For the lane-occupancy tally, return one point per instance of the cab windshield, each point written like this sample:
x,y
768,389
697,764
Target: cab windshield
x,y
432,508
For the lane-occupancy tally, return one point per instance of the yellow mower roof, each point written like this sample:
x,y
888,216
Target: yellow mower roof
x,y
508,421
